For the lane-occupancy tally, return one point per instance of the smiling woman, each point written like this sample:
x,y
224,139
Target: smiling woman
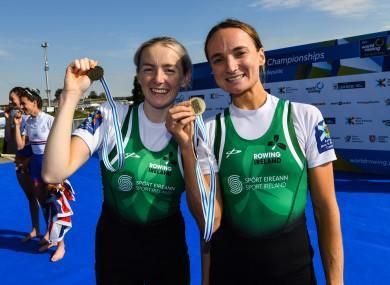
x,y
266,224
141,200
267,154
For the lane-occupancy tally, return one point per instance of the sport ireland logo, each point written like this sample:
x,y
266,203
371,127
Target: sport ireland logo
x,y
125,183
235,184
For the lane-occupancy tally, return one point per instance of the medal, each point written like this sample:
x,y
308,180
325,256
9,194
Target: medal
x,y
198,106
95,73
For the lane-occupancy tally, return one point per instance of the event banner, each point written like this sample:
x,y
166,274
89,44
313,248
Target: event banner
x,y
347,79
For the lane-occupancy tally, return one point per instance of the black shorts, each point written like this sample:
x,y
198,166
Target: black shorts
x,y
25,152
127,253
282,259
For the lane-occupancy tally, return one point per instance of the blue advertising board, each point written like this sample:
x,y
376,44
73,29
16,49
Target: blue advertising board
x,y
347,79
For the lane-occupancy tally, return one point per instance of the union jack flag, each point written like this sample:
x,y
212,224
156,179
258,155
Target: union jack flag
x,y
59,210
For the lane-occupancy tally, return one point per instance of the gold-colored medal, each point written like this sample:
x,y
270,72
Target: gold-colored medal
x,y
198,106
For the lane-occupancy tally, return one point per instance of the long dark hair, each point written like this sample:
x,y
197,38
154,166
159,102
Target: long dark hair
x,y
32,95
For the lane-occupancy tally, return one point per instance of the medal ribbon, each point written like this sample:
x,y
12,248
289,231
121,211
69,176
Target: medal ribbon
x,y
207,201
118,135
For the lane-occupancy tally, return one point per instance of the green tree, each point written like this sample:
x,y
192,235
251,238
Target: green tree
x,y
58,94
137,96
93,95
102,95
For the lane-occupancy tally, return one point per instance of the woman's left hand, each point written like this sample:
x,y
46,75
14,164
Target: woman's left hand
x,y
179,123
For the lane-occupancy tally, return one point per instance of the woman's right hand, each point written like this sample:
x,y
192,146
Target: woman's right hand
x,y
18,118
179,123
76,79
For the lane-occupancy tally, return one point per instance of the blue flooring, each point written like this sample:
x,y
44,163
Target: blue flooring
x,y
363,200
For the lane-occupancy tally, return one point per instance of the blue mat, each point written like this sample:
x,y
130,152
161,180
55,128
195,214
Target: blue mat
x,y
364,203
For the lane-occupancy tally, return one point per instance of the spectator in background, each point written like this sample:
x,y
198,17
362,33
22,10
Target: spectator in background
x,y
22,157
35,132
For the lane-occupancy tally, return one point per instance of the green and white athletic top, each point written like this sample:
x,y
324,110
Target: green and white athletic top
x,y
264,178
149,187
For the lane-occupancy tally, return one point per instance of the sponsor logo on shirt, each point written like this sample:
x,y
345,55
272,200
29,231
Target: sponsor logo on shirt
x,y
125,183
232,152
92,122
163,169
257,183
267,158
270,157
169,159
133,155
235,184
322,134
275,143
160,169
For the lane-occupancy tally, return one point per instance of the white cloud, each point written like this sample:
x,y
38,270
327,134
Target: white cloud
x,y
352,8
4,53
276,3
344,8
386,27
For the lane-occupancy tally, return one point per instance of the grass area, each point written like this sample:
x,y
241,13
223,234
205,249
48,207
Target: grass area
x,y
81,114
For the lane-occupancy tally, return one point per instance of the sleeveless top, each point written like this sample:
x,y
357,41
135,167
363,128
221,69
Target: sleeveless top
x,y
263,181
149,187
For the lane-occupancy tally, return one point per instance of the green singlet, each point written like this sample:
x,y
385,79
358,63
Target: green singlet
x,y
149,187
263,181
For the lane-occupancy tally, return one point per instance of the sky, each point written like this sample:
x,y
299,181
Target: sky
x,y
111,31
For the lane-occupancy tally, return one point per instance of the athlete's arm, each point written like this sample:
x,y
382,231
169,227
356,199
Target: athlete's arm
x,y
205,261
8,125
19,138
180,123
64,154
327,217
